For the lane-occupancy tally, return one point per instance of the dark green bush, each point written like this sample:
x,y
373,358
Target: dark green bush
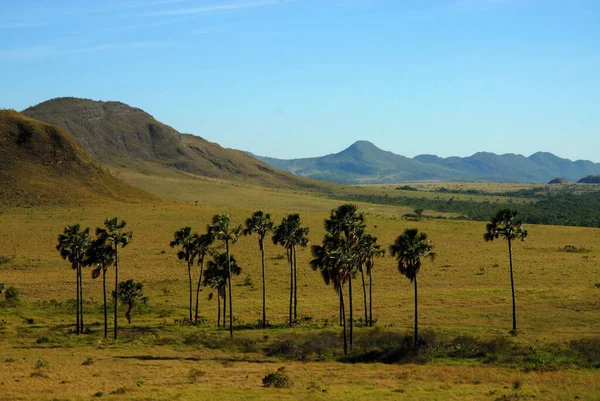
x,y
278,379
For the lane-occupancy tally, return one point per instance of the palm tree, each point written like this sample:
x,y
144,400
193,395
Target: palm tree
x,y
368,250
202,244
72,245
345,220
216,276
291,234
221,229
113,235
260,224
509,226
184,238
408,249
130,294
332,259
100,255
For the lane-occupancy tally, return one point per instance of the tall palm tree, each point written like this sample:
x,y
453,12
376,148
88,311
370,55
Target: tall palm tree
x,y
368,250
72,245
216,276
347,222
298,239
100,255
114,235
184,238
290,234
221,229
332,259
202,244
507,225
261,224
408,249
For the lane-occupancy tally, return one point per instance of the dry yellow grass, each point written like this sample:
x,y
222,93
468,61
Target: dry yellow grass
x,y
465,291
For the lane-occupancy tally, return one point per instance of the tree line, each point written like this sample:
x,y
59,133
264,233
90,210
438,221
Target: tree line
x,y
347,251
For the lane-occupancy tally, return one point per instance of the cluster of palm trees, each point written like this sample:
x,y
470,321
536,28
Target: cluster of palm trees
x,y
346,250
101,252
195,247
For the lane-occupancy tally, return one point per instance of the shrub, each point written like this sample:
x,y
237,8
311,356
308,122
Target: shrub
x,y
196,374
278,379
11,295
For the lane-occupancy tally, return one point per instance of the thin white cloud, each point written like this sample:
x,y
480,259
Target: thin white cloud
x,y
41,52
21,25
240,5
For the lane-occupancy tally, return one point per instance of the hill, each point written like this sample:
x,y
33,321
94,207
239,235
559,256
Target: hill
x,y
363,162
42,164
590,179
118,135
558,180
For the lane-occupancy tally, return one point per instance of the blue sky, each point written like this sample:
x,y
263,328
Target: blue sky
x,y
300,78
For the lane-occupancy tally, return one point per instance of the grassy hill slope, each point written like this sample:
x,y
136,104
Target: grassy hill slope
x,y
118,135
42,164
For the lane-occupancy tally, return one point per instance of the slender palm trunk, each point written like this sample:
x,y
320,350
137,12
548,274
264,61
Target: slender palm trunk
x,y
341,313
218,310
512,287
81,297
230,296
295,286
224,307
264,283
128,314
351,313
77,328
291,260
116,289
344,320
371,298
362,276
198,289
416,316
190,284
104,296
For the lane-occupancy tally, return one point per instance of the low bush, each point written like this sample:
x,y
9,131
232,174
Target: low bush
x,y
278,379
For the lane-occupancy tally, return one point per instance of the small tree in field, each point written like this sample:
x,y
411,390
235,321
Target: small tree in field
x,y
72,245
221,229
202,244
100,255
114,235
508,226
261,224
184,239
131,295
216,276
409,248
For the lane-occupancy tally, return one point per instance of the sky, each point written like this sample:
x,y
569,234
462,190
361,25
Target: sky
x,y
303,78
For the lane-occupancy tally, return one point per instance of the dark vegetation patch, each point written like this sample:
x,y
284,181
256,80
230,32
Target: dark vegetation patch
x,y
564,207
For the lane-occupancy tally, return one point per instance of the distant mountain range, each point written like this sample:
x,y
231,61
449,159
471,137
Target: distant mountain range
x,y
365,163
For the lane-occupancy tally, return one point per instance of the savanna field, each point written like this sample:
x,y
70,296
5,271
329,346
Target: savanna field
x,y
464,310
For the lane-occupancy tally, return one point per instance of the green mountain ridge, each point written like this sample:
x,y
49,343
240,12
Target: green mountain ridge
x,y
365,163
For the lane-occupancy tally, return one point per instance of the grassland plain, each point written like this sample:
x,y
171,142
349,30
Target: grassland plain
x,y
466,291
